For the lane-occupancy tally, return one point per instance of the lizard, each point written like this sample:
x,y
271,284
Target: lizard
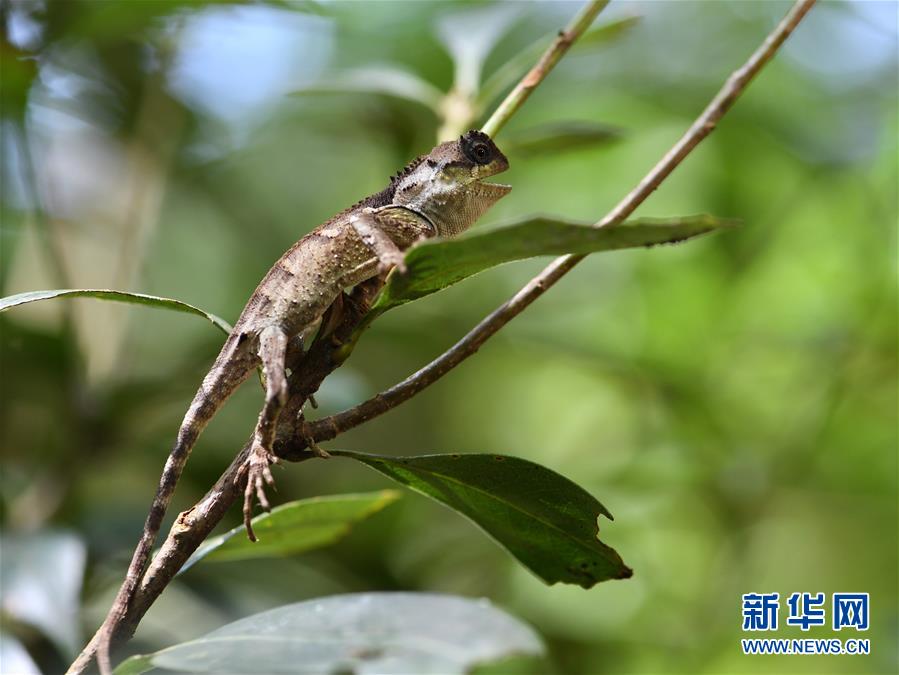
x,y
440,194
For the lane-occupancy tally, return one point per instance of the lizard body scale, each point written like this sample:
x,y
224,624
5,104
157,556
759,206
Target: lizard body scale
x,y
438,194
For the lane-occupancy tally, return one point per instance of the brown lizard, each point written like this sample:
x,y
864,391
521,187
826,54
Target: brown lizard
x,y
438,194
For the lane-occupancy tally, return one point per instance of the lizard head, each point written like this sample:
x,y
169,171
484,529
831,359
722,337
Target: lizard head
x,y
447,186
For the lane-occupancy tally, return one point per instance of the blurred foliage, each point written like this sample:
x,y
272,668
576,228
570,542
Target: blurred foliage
x,y
732,401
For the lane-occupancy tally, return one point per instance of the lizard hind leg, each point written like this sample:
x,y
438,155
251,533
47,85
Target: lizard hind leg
x,y
273,342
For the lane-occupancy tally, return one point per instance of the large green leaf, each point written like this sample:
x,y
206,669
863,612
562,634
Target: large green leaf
x,y
295,527
438,263
361,633
117,296
545,520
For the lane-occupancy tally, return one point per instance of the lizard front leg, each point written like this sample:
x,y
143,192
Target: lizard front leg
x,y
273,343
375,238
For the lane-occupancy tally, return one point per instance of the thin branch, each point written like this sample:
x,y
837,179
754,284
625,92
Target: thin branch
x,y
328,428
545,64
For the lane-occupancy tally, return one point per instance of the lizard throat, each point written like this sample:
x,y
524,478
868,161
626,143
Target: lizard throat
x,y
460,209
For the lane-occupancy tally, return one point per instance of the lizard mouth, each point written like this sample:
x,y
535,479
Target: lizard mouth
x,y
492,188
491,172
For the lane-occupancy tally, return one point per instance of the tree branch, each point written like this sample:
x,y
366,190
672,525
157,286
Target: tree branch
x,y
330,427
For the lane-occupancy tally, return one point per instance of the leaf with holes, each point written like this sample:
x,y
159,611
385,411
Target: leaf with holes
x,y
545,520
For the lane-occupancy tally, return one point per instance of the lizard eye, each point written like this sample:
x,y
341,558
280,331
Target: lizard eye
x,y
477,151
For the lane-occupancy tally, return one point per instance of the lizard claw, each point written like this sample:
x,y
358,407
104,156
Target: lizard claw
x,y
259,474
311,445
319,451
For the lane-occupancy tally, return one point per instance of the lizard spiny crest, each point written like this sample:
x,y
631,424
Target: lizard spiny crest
x,y
409,168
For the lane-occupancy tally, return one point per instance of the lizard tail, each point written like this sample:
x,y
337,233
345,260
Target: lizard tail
x,y
232,366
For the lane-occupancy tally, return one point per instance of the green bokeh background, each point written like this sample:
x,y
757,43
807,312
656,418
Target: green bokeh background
x,y
732,400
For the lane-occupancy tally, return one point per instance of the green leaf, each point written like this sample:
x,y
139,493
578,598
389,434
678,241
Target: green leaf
x,y
135,665
437,263
295,527
384,79
363,633
117,296
559,136
602,35
545,520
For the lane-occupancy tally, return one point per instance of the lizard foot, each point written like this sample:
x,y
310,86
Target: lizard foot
x,y
259,474
317,450
311,445
390,259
